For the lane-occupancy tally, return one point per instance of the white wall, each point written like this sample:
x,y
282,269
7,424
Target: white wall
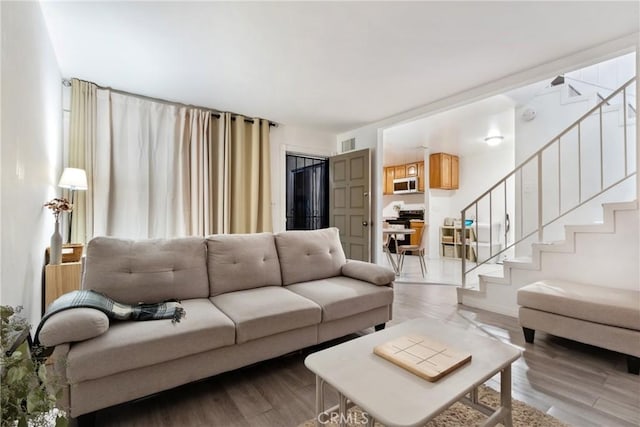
x,y
478,172
297,140
31,151
605,76
555,111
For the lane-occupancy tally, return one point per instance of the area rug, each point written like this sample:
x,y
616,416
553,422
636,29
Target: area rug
x,y
461,415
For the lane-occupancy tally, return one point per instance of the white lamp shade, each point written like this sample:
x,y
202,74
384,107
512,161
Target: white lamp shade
x,y
74,179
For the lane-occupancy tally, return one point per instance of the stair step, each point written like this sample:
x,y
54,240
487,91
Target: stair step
x,y
492,274
495,277
519,260
523,263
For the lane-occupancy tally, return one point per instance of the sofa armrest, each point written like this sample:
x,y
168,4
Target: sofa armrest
x,y
368,272
76,324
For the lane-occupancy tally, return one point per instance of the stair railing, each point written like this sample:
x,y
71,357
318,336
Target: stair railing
x,y
536,164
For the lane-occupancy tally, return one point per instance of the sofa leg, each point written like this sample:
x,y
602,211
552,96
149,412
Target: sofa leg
x,y
528,334
87,420
633,365
380,326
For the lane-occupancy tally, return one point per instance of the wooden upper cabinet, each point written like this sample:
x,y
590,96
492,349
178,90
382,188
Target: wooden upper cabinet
x,y
400,172
389,173
455,172
421,177
444,171
387,180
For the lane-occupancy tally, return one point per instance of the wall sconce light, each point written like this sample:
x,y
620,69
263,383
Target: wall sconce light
x,y
493,140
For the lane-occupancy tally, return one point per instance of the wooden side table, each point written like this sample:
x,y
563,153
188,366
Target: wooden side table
x,y
60,279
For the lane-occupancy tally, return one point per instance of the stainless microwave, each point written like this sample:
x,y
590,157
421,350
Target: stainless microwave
x,y
405,185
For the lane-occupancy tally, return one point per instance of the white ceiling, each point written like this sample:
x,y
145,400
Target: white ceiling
x,y
333,66
462,130
459,131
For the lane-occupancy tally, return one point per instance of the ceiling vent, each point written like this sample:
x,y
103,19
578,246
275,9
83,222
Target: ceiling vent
x,y
348,145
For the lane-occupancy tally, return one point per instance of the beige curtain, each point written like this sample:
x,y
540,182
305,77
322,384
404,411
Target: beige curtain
x,y
159,170
250,180
82,134
142,168
229,173
220,174
191,174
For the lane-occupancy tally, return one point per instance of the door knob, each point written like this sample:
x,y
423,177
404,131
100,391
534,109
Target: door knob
x,y
365,223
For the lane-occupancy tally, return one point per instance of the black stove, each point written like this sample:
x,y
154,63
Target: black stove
x,y
404,219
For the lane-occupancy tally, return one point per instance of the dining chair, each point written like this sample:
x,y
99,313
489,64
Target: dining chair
x,y
421,249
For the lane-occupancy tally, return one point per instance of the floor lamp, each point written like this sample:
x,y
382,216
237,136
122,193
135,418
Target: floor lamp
x,y
73,179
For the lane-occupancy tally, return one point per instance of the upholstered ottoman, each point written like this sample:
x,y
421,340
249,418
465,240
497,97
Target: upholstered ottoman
x,y
601,316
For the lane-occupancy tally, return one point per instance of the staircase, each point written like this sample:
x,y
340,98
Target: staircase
x,y
571,180
584,256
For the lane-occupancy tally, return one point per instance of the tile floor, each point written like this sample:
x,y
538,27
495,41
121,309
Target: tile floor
x,y
440,271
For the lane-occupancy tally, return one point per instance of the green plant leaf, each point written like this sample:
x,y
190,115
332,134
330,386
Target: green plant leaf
x,y
15,374
33,399
42,373
28,391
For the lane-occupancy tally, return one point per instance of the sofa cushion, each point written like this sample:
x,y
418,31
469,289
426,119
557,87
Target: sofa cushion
x,y
343,296
368,272
147,271
309,255
608,306
134,344
266,311
242,261
77,324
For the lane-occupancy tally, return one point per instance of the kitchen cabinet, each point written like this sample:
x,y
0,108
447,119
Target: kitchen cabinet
x,y
444,170
388,175
411,169
455,172
421,179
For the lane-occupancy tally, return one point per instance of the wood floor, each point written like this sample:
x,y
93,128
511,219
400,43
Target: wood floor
x,y
578,384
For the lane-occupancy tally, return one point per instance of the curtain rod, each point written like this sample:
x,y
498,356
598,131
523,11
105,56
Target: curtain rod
x,y
215,113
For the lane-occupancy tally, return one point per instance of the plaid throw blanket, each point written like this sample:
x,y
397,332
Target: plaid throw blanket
x,y
114,310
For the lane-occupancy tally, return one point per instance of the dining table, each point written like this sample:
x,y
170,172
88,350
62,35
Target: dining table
x,y
387,233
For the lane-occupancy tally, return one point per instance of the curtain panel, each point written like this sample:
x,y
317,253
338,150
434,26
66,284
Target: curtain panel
x,y
250,207
82,133
161,170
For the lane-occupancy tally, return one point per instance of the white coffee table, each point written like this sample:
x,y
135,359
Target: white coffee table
x,y
395,397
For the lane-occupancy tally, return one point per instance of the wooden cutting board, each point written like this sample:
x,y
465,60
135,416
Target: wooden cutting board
x,y
422,356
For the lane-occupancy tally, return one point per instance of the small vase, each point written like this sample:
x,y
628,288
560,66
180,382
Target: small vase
x,y
55,250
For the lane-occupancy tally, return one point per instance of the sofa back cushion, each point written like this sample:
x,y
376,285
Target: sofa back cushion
x,y
147,271
309,255
242,261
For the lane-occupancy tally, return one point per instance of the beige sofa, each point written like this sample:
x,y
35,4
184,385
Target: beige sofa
x,y
247,298
601,316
